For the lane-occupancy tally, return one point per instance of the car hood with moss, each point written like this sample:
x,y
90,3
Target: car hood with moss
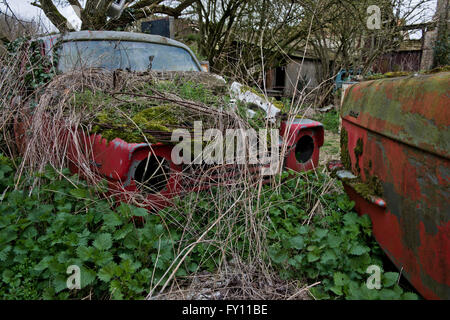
x,y
166,59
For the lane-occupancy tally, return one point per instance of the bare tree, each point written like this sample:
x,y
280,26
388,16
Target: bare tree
x,y
12,27
93,12
342,40
243,37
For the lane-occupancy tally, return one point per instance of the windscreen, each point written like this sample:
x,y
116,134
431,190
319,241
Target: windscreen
x,y
127,55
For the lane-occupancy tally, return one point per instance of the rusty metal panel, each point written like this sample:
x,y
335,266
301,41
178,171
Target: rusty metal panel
x,y
117,160
395,137
414,110
304,138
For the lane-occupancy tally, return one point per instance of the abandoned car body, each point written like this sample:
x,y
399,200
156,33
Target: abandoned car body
x,y
126,164
395,152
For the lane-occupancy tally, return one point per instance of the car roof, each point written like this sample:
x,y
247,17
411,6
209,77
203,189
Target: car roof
x,y
119,36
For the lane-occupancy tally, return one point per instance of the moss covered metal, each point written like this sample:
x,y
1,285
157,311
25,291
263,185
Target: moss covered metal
x,y
396,137
412,110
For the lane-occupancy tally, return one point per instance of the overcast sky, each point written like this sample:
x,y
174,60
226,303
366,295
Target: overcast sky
x,y
24,10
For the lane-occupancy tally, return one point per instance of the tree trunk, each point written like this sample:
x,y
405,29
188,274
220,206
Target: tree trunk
x,y
93,17
431,36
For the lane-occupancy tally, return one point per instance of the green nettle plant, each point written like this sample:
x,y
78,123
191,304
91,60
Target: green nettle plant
x,y
335,248
62,223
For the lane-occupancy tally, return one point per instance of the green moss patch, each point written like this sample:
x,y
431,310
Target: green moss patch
x,y
358,153
345,156
113,123
139,112
148,106
368,189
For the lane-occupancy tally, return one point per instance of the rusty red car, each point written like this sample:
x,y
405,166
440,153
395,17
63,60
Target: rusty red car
x,y
126,164
395,165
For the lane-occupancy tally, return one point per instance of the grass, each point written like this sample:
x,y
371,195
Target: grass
x,y
331,148
330,120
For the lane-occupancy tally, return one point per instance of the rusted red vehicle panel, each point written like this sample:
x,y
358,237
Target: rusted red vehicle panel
x,y
126,165
395,139
121,163
304,138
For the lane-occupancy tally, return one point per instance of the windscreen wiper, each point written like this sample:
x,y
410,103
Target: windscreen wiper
x,y
150,65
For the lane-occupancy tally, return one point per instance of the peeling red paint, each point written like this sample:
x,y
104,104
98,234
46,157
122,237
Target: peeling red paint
x,y
115,160
292,162
434,253
402,125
